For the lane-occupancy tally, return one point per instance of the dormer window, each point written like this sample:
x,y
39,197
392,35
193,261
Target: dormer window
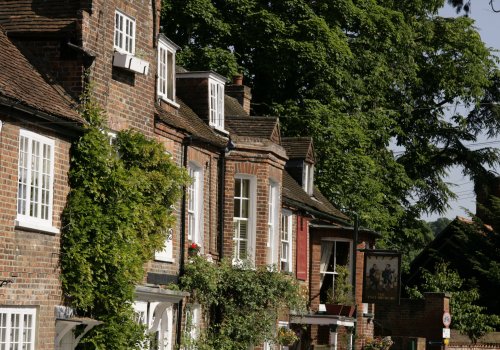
x,y
124,33
166,70
216,102
205,92
308,178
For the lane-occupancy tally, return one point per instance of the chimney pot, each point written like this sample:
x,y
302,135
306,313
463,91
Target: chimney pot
x,y
238,79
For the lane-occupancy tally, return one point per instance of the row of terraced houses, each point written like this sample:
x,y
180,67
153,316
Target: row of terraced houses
x,y
252,193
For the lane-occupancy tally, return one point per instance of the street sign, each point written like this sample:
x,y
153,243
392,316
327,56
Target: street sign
x,y
446,319
446,333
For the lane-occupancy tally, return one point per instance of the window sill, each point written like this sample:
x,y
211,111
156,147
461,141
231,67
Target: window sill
x,y
36,227
164,260
169,101
220,130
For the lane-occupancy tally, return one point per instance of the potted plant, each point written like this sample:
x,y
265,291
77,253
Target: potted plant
x,y
340,300
193,249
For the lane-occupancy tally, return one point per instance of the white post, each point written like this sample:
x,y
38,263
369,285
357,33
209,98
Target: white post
x,y
333,337
349,340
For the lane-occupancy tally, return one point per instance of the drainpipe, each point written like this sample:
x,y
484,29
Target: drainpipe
x,y
221,194
185,145
354,262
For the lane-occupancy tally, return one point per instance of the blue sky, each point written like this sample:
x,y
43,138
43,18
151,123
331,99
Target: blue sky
x,y
488,25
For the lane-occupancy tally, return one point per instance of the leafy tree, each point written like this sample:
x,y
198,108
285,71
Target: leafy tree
x,y
358,75
439,225
465,5
467,317
117,215
242,303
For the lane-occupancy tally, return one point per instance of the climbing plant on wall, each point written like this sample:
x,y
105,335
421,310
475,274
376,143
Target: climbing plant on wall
x,y
242,303
117,215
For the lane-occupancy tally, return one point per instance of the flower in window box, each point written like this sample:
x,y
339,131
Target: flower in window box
x,y
193,249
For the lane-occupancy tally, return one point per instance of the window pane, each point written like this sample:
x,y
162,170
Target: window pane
x,y
170,75
245,188
237,208
245,203
23,175
35,177
237,188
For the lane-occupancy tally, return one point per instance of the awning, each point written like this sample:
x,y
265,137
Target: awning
x,y
323,320
156,294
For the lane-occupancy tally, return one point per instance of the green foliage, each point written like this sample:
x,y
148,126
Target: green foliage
x,y
117,215
439,225
468,317
343,288
358,75
243,303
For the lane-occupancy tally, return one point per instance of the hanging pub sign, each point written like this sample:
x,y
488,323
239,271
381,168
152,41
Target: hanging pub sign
x,y
382,276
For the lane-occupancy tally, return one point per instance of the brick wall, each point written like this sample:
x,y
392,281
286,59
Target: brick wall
x,y
127,97
30,259
195,92
414,318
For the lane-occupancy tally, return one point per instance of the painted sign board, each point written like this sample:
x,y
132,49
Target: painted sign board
x,y
381,280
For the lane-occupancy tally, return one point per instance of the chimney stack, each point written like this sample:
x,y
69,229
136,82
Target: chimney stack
x,y
240,92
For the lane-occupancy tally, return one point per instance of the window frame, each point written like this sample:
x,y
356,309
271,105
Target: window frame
x,y
308,178
163,79
216,103
272,223
195,204
167,254
251,219
24,218
286,216
21,313
123,34
350,253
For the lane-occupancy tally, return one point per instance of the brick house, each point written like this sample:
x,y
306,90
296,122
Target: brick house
x,y
252,195
37,125
115,46
324,239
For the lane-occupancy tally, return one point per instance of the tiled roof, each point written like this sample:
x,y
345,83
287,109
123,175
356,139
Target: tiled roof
x,y
21,82
298,147
38,16
260,127
233,108
292,191
188,121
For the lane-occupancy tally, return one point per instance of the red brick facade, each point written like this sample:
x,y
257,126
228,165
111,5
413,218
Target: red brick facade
x,y
247,147
30,259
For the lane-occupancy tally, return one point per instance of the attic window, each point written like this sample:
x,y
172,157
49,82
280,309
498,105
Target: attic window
x,y
124,33
216,103
166,70
308,178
